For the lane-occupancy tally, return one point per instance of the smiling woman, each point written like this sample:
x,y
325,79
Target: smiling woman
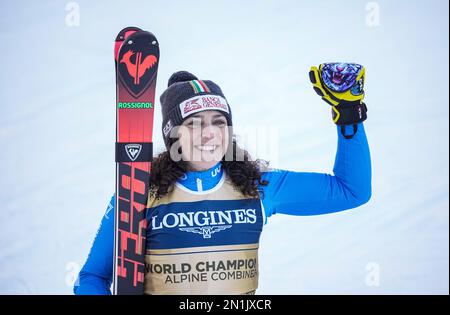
x,y
197,129
208,200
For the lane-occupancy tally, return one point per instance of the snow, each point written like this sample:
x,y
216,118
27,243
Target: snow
x,y
57,131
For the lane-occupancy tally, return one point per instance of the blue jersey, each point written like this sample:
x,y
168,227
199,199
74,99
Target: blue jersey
x,y
205,217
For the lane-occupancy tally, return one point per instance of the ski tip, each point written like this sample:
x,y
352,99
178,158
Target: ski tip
x,y
127,31
120,38
142,36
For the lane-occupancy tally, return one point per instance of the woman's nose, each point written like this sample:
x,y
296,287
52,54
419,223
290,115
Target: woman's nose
x,y
208,131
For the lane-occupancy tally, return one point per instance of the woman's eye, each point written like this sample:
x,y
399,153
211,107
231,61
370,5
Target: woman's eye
x,y
193,123
220,123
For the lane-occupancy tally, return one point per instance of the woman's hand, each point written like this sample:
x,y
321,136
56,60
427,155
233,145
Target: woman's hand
x,y
342,86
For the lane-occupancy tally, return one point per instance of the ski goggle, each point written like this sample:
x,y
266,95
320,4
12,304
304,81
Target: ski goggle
x,y
341,77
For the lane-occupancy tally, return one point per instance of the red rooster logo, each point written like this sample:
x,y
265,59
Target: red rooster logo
x,y
137,69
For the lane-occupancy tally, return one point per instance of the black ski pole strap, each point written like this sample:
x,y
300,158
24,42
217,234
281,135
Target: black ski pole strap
x,y
348,113
134,151
355,130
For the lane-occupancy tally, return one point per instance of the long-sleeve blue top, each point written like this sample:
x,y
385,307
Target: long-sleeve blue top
x,y
288,192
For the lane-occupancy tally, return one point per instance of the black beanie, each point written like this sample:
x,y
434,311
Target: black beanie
x,y
186,95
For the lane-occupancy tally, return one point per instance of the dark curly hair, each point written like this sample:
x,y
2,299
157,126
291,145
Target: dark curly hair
x,y
244,173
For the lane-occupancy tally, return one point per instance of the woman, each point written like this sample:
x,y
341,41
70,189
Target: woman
x,y
208,200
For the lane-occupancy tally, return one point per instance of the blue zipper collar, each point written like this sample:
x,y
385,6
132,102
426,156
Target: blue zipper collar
x,y
202,180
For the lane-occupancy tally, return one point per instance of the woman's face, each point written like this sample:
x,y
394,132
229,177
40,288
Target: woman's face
x,y
204,139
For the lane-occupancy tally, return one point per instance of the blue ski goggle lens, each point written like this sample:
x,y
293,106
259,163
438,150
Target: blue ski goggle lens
x,y
340,77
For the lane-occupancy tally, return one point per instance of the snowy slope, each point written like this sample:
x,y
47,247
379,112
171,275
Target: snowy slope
x,y
57,132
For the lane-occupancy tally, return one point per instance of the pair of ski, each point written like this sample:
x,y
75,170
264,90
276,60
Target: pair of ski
x,y
136,54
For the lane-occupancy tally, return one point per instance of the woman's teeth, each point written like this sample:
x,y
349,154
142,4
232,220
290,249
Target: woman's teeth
x,y
206,147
